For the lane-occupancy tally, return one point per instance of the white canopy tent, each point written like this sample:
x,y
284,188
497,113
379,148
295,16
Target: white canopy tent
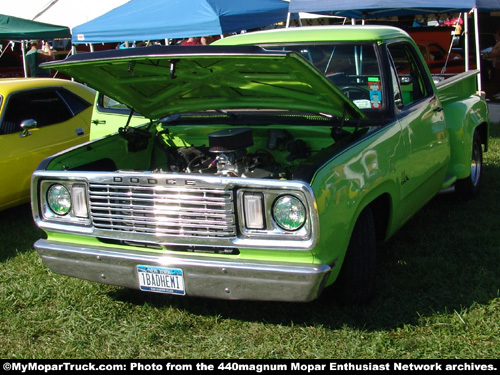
x,y
68,13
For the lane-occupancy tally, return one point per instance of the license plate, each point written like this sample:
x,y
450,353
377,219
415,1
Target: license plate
x,y
161,279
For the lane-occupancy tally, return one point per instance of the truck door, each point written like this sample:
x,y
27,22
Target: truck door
x,y
422,122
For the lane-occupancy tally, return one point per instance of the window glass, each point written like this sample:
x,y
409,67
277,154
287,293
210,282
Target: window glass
x,y
411,85
44,106
74,102
109,103
398,97
353,68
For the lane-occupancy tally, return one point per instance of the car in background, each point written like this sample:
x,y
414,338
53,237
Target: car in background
x,y
38,118
437,58
109,116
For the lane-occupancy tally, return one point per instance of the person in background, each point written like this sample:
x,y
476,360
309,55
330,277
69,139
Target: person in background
x,y
193,41
495,58
35,56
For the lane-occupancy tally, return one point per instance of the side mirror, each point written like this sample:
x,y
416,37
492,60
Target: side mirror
x,y
406,80
26,126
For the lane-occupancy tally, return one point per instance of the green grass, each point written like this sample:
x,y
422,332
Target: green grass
x,y
437,297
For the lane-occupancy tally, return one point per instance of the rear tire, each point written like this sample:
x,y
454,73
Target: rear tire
x,y
356,282
468,188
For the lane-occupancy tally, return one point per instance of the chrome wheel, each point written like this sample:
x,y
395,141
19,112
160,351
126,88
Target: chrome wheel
x,y
476,164
468,188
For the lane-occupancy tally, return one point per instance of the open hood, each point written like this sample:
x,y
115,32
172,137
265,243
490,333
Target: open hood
x,y
162,80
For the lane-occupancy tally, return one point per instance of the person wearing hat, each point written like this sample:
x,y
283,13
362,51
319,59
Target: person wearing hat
x,y
36,56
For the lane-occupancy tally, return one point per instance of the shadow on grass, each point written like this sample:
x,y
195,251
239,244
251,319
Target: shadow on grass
x,y
18,231
445,259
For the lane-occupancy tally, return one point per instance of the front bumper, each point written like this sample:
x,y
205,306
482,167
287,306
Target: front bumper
x,y
203,277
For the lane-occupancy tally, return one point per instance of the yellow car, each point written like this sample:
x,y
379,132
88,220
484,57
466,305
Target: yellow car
x,y
38,118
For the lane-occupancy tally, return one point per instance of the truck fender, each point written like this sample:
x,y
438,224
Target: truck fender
x,y
380,201
463,118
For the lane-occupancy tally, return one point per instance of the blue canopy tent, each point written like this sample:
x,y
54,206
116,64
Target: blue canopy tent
x,y
488,5
389,8
162,19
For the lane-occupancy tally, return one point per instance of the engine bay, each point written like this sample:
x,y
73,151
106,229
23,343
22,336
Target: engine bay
x,y
282,148
231,153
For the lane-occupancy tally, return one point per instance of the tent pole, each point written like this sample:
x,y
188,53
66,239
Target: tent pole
x,y
288,15
25,65
466,34
478,51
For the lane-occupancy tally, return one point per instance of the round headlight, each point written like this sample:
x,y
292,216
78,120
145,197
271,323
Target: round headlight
x,y
59,199
289,212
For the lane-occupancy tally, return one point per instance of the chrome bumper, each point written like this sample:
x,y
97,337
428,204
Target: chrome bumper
x,y
203,277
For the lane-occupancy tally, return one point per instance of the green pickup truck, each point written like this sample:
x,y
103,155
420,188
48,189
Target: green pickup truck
x,y
272,164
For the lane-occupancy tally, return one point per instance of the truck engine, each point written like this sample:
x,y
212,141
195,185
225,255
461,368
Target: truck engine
x,y
227,155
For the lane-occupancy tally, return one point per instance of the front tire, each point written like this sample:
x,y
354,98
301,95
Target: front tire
x,y
468,188
356,282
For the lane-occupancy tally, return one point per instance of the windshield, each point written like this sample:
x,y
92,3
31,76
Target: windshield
x,y
354,69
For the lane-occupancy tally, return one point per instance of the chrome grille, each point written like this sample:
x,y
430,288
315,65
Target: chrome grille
x,y
163,211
